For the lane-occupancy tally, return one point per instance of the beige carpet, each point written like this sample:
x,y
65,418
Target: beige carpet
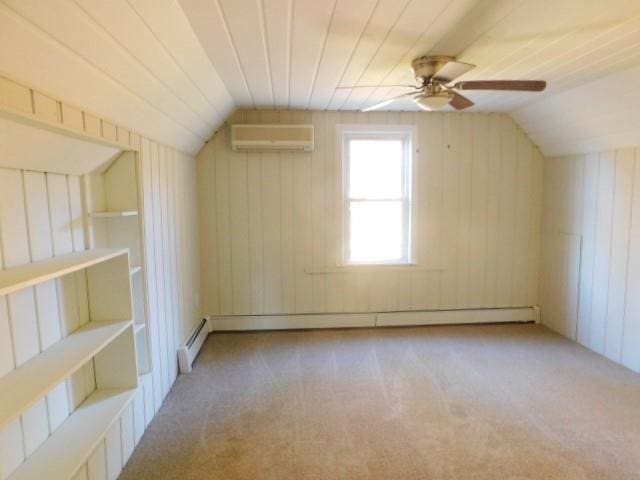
x,y
490,402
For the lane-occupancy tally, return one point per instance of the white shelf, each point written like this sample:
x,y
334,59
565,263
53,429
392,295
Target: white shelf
x,y
139,327
30,382
16,278
114,214
134,270
58,457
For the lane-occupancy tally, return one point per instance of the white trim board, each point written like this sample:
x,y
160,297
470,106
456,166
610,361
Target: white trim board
x,y
374,319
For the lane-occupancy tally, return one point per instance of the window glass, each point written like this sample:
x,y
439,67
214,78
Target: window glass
x,y
375,168
376,231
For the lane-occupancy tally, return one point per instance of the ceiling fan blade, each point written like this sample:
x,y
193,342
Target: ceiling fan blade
x,y
513,85
459,102
417,87
452,70
386,102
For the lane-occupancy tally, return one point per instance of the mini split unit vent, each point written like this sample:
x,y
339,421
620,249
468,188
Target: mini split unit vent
x,y
271,137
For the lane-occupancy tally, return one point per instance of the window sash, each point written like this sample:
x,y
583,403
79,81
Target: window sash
x,y
405,137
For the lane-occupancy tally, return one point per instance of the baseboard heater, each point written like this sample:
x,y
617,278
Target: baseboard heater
x,y
188,353
375,319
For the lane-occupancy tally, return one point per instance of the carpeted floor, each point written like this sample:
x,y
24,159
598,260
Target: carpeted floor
x,y
496,402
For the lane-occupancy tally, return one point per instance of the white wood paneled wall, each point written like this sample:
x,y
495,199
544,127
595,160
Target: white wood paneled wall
x,y
171,244
268,219
40,217
591,240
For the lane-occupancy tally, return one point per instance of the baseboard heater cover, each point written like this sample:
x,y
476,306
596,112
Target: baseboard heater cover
x,y
374,319
188,352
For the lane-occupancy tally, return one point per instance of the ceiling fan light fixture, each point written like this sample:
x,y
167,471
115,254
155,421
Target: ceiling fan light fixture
x,y
431,102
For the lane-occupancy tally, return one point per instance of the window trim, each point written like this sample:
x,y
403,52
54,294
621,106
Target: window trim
x,y
409,135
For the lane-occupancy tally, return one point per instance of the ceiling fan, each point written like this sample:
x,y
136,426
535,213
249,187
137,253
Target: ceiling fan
x,y
434,91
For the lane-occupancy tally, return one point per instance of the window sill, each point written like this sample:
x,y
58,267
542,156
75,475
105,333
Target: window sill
x,y
381,267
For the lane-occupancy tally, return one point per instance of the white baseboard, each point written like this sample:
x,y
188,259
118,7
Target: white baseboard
x,y
452,317
284,322
374,319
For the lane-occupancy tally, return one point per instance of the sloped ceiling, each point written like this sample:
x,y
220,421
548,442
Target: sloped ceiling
x,y
175,69
136,62
597,116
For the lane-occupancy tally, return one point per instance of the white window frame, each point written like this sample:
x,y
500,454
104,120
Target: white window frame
x,y
408,134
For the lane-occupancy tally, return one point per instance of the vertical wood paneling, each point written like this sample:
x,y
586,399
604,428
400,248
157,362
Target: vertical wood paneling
x,y
221,189
207,221
239,230
277,236
594,198
150,206
493,210
619,261
606,183
450,206
631,325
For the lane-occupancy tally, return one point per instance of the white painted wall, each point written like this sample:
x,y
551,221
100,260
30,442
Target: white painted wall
x,y
267,219
591,244
171,244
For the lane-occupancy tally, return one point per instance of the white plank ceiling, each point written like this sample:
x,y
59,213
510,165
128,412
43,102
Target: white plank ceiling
x,y
295,53
174,69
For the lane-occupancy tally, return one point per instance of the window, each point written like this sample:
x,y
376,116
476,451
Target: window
x,y
376,194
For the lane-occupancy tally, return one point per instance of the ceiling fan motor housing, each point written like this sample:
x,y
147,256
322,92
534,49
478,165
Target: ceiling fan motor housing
x,y
427,66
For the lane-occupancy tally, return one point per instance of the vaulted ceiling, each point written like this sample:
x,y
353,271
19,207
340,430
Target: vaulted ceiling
x,y
174,69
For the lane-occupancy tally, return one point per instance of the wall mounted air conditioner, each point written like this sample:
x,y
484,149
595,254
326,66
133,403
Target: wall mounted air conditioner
x,y
271,137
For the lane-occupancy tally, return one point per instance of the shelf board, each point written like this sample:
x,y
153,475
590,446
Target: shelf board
x,y
31,381
134,270
16,278
114,214
69,447
139,327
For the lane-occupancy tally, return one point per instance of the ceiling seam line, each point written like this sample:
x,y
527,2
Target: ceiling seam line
x,y
265,44
291,13
321,55
234,50
353,51
404,9
488,29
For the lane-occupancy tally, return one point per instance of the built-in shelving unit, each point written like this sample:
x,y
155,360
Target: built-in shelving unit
x,y
61,455
31,381
113,203
75,364
107,340
30,274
